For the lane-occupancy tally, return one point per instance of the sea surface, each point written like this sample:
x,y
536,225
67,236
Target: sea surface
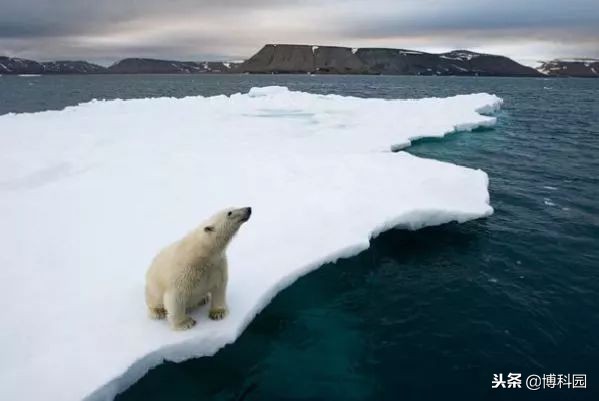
x,y
425,315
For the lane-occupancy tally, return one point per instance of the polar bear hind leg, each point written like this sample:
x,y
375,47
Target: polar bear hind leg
x,y
198,301
155,307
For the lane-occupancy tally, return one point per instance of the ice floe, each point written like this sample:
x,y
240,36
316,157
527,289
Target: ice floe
x,y
89,194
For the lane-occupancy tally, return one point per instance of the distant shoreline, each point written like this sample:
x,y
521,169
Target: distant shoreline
x,y
162,74
321,60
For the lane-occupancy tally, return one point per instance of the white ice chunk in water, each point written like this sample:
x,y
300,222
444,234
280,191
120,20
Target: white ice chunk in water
x,y
267,90
89,194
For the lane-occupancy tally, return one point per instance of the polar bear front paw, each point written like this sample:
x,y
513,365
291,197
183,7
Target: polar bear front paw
x,y
185,324
157,313
217,314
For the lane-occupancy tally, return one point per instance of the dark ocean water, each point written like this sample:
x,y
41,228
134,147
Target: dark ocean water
x,y
424,315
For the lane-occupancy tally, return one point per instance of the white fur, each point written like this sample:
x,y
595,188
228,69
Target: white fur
x,y
185,274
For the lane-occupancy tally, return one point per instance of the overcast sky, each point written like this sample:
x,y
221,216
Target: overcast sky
x,y
106,30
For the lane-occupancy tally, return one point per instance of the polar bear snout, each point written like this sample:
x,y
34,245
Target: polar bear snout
x,y
241,215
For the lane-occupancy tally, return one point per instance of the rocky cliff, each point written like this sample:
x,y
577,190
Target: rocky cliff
x,y
342,60
304,59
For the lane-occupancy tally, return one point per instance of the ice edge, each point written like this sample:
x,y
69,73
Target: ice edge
x,y
142,366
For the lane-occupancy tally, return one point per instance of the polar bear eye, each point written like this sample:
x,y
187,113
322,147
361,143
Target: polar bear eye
x,y
208,229
230,213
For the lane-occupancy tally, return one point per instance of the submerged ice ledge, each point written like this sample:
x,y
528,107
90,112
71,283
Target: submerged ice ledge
x,y
89,194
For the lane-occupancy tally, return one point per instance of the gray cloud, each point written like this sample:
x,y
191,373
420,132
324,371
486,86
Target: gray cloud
x,y
60,17
105,30
580,16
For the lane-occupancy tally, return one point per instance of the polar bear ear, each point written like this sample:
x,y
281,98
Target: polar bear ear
x,y
209,229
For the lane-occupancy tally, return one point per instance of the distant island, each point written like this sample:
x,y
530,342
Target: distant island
x,y
582,67
308,59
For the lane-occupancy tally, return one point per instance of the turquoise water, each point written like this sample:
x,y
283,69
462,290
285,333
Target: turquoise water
x,y
431,314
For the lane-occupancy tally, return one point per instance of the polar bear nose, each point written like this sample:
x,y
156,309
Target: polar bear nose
x,y
247,212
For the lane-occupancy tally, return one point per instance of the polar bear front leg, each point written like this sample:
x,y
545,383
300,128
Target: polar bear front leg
x,y
218,308
157,313
174,303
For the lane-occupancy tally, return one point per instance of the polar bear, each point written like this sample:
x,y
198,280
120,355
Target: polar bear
x,y
187,273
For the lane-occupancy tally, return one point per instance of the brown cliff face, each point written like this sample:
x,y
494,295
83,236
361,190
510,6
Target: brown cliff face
x,y
337,60
344,60
294,59
280,59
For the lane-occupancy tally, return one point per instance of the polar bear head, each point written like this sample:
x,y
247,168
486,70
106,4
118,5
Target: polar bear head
x,y
222,227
